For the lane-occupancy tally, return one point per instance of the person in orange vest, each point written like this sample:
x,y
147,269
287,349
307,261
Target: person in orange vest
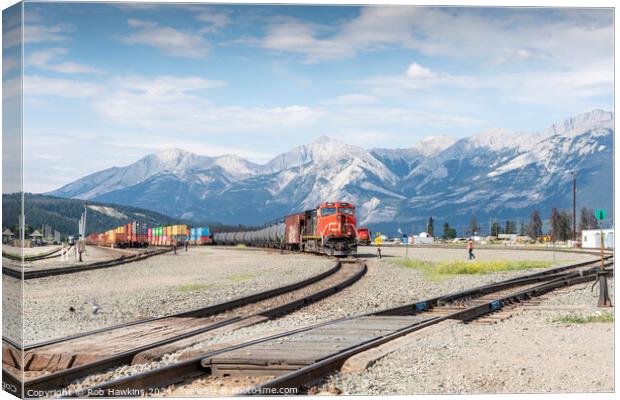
x,y
470,249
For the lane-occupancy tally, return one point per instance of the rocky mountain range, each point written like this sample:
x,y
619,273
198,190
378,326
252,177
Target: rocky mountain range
x,y
495,174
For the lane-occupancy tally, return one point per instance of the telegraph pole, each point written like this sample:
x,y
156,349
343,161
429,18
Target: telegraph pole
x,y
574,205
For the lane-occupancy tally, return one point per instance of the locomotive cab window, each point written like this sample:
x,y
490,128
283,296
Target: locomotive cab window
x,y
348,211
328,211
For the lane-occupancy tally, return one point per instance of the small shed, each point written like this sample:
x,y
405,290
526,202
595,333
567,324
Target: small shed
x,y
37,238
7,236
591,238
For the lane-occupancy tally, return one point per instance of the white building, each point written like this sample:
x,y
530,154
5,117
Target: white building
x,y
591,238
423,238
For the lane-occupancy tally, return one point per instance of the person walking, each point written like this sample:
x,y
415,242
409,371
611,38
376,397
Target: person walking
x,y
470,249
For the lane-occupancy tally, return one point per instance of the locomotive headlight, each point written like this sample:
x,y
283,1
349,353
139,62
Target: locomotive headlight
x,y
340,217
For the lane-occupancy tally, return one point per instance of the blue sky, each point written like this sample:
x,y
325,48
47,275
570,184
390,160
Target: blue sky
x,y
105,84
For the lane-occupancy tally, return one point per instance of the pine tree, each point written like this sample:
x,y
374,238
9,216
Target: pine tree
x,y
429,227
495,229
473,226
566,226
534,227
448,233
561,225
587,220
510,227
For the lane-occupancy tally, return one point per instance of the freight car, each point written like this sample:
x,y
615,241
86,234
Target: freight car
x,y
166,235
133,234
200,235
328,229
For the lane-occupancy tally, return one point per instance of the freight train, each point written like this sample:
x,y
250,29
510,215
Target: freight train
x,y
328,229
137,234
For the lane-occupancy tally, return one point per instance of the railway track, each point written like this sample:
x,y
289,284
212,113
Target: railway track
x,y
294,359
45,272
54,364
50,254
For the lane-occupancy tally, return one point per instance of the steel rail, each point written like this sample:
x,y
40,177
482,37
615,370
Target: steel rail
x,y
42,273
62,378
198,366
489,288
204,311
310,373
49,254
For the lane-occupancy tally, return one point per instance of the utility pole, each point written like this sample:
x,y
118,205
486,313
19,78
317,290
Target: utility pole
x,y
82,235
574,205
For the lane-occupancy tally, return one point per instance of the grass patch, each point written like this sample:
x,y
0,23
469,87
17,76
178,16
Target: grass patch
x,y
448,268
584,319
241,246
240,277
192,287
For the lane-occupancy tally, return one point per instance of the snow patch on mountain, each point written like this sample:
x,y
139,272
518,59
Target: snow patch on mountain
x,y
496,171
109,211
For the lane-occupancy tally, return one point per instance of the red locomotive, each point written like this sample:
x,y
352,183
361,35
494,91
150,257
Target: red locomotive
x,y
328,229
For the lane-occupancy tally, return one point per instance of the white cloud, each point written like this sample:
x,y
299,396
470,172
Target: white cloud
x,y
169,104
42,59
170,41
165,84
570,87
45,33
390,116
352,100
417,71
35,85
215,20
181,112
492,36
301,37
35,33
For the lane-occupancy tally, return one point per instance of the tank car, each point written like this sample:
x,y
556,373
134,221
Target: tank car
x,y
328,229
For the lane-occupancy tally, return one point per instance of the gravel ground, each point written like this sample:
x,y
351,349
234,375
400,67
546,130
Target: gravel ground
x,y
93,254
157,286
499,254
12,316
385,285
528,353
28,251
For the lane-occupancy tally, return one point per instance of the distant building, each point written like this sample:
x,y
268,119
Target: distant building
x,y
7,236
423,238
507,236
591,238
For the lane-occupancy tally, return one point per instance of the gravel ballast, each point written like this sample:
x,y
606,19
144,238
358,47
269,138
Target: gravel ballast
x,y
385,285
158,286
527,353
388,285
